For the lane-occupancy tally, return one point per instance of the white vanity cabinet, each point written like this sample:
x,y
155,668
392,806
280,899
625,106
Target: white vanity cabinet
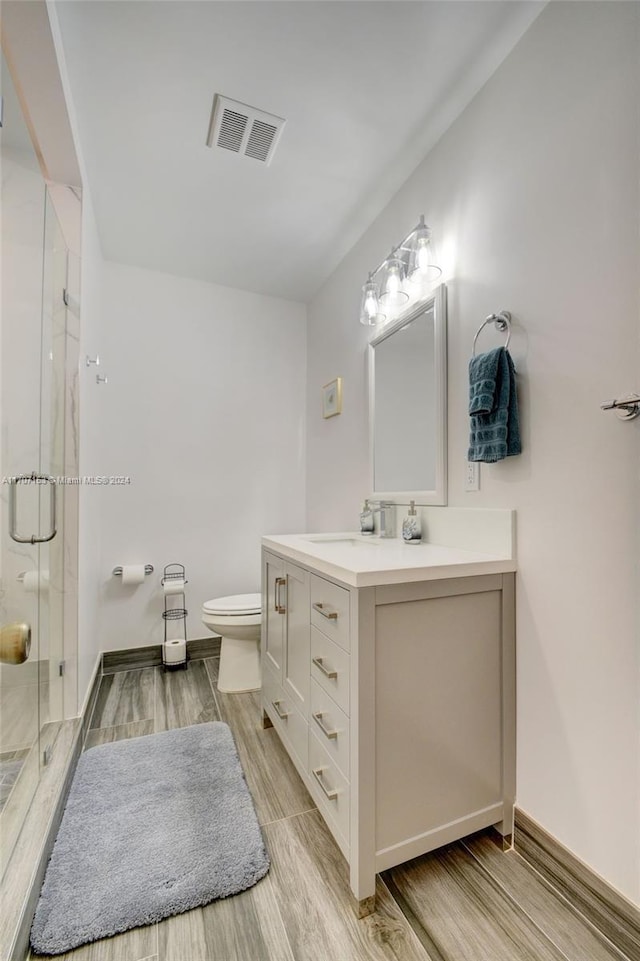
x,y
395,701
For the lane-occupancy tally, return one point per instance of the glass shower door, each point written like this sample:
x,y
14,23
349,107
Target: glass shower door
x,y
30,426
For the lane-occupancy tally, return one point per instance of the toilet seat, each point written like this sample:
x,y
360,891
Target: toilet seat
x,y
235,605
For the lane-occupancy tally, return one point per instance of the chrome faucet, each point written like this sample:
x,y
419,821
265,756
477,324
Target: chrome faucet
x,y
386,510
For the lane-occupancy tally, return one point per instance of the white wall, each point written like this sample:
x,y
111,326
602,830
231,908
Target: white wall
x,y
205,411
533,199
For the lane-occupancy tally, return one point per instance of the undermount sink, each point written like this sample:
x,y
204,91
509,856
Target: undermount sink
x,y
351,540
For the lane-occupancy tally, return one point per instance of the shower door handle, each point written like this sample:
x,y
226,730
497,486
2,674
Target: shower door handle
x,y
13,513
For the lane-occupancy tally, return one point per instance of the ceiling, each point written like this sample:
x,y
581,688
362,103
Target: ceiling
x,y
366,89
14,133
29,50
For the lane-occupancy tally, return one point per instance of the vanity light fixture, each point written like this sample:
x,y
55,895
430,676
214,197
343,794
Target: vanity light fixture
x,y
385,290
370,313
394,272
421,266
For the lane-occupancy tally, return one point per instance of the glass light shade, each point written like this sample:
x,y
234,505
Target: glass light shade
x,y
393,294
370,313
421,266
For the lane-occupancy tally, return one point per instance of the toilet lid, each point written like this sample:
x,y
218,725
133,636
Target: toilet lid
x,y
234,604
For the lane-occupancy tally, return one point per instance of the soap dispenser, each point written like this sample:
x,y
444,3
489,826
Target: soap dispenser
x,y
366,519
412,526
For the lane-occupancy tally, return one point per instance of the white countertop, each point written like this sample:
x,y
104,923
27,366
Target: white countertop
x,y
359,561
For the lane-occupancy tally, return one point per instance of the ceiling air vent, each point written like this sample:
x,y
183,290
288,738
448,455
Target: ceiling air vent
x,y
244,130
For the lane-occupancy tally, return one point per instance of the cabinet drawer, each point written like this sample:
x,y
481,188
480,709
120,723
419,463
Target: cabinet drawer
x,y
289,724
329,788
331,726
330,668
330,610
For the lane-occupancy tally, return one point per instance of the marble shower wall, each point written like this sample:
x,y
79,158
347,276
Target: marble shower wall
x,y
59,453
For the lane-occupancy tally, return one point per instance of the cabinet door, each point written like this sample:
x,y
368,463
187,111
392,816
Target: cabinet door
x,y
296,670
438,729
273,613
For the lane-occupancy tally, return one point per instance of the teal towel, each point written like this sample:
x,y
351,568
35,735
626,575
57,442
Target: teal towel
x,y
493,406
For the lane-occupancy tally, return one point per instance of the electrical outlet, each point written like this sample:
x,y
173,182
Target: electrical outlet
x,y
472,477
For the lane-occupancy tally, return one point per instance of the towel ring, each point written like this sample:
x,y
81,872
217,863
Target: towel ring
x,y
502,321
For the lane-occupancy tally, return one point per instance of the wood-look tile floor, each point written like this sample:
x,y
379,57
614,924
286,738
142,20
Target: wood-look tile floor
x,y
21,715
11,763
468,901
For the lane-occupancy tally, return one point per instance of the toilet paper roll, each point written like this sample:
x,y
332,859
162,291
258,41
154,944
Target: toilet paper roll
x,y
35,582
174,585
174,652
133,574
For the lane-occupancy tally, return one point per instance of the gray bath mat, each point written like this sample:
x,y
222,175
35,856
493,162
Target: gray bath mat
x,y
153,826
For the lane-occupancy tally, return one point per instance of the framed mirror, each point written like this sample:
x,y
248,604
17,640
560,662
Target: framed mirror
x,y
408,405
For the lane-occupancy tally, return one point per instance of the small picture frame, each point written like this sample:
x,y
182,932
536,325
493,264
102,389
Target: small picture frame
x,y
332,398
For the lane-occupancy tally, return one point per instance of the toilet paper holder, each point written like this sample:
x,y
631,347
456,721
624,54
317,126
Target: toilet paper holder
x,y
168,578
148,569
175,573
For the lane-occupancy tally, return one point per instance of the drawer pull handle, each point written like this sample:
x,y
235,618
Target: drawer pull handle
x,y
317,773
325,670
277,602
330,615
332,735
281,715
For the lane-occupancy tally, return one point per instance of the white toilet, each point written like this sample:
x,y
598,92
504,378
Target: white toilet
x,y
237,619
